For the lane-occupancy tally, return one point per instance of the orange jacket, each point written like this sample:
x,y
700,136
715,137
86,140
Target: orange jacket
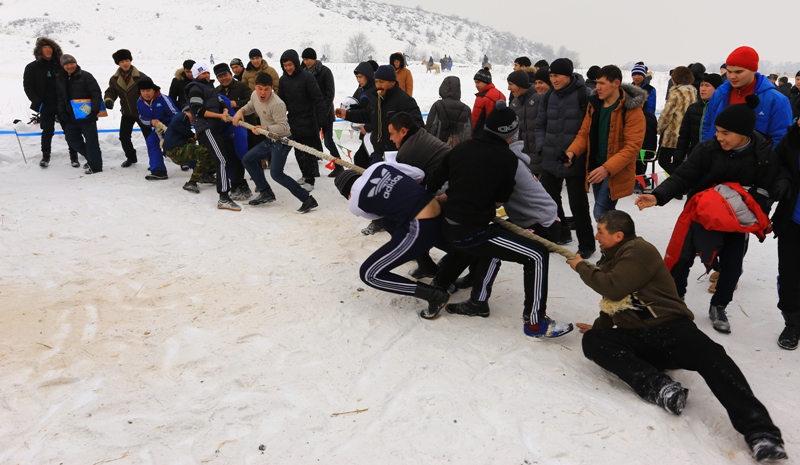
x,y
405,80
624,139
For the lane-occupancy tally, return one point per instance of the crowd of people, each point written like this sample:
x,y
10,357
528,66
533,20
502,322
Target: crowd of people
x,y
730,143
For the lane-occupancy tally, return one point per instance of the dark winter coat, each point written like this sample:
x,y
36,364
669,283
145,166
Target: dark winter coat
x,y
626,133
785,88
481,174
638,290
422,150
127,92
691,127
526,107
708,164
650,131
794,98
324,78
789,154
177,89
81,85
202,97
366,94
39,78
380,111
304,101
449,116
237,92
558,124
773,113
178,132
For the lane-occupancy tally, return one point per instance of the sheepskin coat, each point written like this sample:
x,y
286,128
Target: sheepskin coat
x,y
669,124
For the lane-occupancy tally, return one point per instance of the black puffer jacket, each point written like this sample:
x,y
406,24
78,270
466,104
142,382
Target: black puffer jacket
x,y
789,153
324,78
527,108
366,94
177,88
80,85
558,124
202,97
304,101
39,78
794,98
380,111
708,164
452,115
691,128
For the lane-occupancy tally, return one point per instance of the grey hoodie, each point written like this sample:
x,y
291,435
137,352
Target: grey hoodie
x,y
529,204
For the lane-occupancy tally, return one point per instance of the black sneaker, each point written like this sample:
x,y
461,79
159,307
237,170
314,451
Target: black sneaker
x,y
374,227
307,205
91,171
719,318
469,308
128,162
241,193
86,166
788,338
767,448
265,196
464,282
225,203
672,397
566,236
157,176
585,253
45,160
336,171
74,162
191,186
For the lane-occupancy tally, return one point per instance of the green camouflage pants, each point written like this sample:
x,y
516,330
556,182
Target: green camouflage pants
x,y
187,153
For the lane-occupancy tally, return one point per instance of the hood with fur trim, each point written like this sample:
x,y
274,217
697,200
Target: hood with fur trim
x,y
41,42
398,56
635,95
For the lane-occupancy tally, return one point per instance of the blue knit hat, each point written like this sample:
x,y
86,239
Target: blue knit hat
x,y
639,69
386,73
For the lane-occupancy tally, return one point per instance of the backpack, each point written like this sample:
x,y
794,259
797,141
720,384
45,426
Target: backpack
x,y
448,130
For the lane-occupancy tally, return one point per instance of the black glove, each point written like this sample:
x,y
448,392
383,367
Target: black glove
x,y
762,200
92,116
781,190
109,104
35,118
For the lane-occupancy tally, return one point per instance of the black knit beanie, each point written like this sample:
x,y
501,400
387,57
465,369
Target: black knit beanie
x,y
345,180
739,118
309,53
714,79
543,75
502,121
592,73
188,64
562,66
483,75
541,63
255,53
520,78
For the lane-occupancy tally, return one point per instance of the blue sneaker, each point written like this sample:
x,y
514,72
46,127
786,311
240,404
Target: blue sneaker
x,y
548,328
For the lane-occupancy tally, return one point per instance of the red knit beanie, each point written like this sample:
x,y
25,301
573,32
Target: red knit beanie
x,y
744,57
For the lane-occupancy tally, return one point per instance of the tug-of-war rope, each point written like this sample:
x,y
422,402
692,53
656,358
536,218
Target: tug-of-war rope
x,y
551,246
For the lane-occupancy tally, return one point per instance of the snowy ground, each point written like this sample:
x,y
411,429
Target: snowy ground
x,y
140,325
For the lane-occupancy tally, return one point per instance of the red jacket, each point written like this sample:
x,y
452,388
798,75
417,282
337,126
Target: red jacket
x,y
484,102
710,209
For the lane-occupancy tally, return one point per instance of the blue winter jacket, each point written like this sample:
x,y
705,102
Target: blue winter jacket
x,y
773,114
651,96
161,108
178,132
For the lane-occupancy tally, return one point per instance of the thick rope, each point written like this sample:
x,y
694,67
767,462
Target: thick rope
x,y
552,247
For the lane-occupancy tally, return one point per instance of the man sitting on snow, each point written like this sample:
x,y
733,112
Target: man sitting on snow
x,y
644,328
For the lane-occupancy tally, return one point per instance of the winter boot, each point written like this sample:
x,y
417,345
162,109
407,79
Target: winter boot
x,y
128,162
449,288
308,204
547,328
157,176
788,338
436,298
672,397
265,196
469,308
719,318
45,160
73,160
566,236
465,282
767,448
191,186
225,203
426,268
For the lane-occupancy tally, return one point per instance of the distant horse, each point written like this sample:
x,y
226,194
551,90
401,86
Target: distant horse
x,y
435,67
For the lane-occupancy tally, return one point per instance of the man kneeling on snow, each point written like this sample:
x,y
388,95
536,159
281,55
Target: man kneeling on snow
x,y
645,328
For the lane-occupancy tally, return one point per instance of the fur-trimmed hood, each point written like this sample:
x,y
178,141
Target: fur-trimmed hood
x,y
179,75
398,56
635,95
41,42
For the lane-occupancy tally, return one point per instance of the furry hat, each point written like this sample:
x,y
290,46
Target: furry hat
x,y
682,75
483,75
698,69
147,83
397,56
520,79
121,54
502,121
42,42
741,117
745,57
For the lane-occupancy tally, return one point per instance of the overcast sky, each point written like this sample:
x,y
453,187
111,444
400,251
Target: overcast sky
x,y
616,32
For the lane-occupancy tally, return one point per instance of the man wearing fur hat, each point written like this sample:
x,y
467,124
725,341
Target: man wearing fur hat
x,y
645,328
638,75
742,158
774,113
154,108
122,85
682,94
39,82
610,137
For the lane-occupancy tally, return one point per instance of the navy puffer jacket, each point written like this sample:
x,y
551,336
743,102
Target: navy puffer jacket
x,y
558,124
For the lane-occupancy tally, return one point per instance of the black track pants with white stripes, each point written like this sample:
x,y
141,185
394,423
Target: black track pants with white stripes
x,y
495,242
408,242
213,142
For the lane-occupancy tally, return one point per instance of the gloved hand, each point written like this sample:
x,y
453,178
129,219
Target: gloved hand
x,y
92,116
762,200
35,118
109,104
781,190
